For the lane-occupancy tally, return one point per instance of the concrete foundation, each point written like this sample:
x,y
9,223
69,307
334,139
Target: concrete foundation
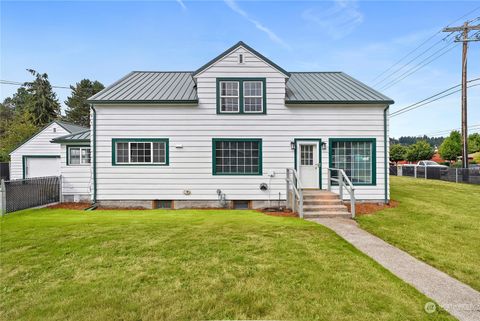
x,y
127,204
76,198
181,204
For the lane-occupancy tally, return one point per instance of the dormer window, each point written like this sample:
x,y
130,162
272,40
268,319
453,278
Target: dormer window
x,y
241,96
229,97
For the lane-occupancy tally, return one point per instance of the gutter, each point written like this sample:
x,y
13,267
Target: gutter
x,y
385,153
94,147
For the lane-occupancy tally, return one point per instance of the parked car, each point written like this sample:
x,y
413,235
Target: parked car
x,y
429,163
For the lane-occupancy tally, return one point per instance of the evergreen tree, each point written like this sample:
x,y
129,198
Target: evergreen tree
x,y
43,107
78,110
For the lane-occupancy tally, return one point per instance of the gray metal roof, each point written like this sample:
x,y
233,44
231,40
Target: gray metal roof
x,y
330,88
79,137
72,128
150,87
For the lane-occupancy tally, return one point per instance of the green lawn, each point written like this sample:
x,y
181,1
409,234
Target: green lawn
x,y
191,265
437,222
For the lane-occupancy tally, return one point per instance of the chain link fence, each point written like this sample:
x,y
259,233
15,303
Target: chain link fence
x,y
26,193
457,175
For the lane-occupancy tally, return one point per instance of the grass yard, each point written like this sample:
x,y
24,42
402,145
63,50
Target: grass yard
x,y
191,265
437,222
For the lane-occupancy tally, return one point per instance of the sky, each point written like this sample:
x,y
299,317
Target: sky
x,y
73,40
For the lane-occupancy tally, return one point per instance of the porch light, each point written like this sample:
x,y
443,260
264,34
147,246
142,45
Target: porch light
x,y
292,145
324,145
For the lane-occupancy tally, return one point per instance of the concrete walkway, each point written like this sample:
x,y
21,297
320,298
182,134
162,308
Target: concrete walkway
x,y
459,299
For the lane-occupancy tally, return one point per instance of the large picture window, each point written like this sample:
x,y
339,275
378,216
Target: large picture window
x,y
237,156
140,151
357,157
78,155
241,96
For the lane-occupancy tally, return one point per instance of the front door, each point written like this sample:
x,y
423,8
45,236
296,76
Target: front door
x,y
308,164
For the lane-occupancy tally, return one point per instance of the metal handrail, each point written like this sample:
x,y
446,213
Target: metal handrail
x,y
343,182
292,179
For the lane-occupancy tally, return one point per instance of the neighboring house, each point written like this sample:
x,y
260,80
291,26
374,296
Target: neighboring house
x,y
38,156
228,131
437,158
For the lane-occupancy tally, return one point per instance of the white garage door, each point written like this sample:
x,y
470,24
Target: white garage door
x,y
42,166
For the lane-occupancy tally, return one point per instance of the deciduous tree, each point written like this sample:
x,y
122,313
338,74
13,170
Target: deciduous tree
x,y
474,143
421,150
397,152
451,147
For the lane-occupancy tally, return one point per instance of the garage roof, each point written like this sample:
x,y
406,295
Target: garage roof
x,y
80,137
69,127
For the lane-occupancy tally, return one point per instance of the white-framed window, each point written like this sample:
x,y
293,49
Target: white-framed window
x,y
229,96
253,96
79,155
140,151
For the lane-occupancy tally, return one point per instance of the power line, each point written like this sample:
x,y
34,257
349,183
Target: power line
x,y
419,66
413,59
16,83
428,100
447,131
423,43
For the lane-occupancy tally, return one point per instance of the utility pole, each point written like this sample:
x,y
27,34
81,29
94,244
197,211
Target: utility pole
x,y
464,38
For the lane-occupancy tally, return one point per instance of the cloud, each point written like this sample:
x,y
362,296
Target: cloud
x,y
180,2
338,20
272,35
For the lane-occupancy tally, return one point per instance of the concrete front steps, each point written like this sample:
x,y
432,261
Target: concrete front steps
x,y
320,203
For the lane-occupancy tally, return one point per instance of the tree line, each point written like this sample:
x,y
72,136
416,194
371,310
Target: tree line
x,y
410,140
450,148
35,104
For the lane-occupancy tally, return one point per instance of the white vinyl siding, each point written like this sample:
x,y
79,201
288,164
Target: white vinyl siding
x,y
190,130
38,145
76,180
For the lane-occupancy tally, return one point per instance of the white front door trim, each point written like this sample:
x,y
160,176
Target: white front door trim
x,y
308,162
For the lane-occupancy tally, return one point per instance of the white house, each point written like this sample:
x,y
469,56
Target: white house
x,y
226,133
38,156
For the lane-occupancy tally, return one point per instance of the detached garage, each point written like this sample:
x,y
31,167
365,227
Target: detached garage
x,y
38,156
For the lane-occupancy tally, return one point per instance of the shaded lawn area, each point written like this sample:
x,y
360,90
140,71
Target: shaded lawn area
x,y
437,222
191,265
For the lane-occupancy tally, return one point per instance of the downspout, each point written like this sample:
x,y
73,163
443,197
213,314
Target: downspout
x,y
94,147
385,153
